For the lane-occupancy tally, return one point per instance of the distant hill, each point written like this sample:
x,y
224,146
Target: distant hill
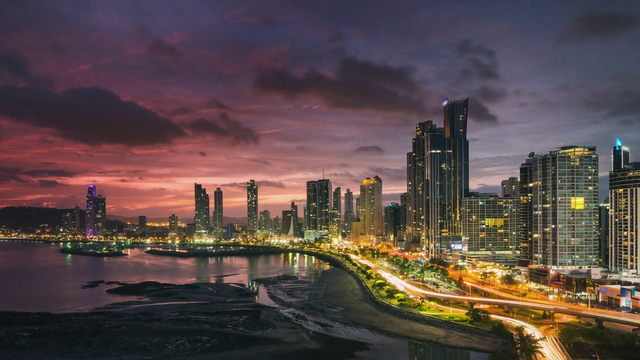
x,y
32,218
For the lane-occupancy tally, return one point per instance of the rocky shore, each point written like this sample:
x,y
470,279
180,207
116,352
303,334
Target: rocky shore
x,y
193,321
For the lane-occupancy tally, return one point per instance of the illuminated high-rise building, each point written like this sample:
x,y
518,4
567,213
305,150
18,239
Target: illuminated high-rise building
x,y
218,211
252,207
96,215
526,210
277,225
286,222
371,207
294,219
392,221
319,204
511,188
565,208
490,223
265,221
620,155
623,215
348,211
201,218
437,178
142,223
173,225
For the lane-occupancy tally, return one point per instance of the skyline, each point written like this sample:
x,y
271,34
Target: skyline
x,y
268,119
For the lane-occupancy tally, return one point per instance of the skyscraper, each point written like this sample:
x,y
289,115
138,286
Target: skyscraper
x,y
404,215
336,214
348,211
252,207
142,223
319,204
201,218
565,208
624,219
526,211
286,222
294,218
96,215
511,188
173,225
371,207
438,178
604,234
277,225
218,212
76,223
392,221
491,223
265,221
620,155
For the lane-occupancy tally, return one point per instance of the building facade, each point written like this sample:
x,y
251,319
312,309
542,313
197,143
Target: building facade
x,y
319,204
511,188
96,214
490,223
624,220
392,219
218,210
265,221
173,225
565,208
371,207
201,218
348,211
252,207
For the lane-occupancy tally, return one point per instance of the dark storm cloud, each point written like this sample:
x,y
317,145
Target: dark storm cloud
x,y
49,173
180,111
8,174
490,94
50,183
601,25
374,149
160,48
394,174
356,85
480,112
88,115
217,104
623,103
16,65
224,127
481,62
58,48
266,20
202,153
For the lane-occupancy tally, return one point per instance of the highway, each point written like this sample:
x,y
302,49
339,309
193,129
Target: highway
x,y
551,347
603,315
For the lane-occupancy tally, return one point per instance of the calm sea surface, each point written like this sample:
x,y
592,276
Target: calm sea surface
x,y
38,277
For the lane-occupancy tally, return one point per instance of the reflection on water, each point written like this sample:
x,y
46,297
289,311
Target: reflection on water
x,y
37,277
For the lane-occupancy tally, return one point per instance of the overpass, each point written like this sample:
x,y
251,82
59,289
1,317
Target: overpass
x,y
598,315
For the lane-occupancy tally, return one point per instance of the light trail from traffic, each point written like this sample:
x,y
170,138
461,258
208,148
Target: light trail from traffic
x,y
550,348
604,315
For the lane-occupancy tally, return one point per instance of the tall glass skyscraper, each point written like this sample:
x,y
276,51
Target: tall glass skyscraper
x,y
371,207
252,207
218,210
319,204
565,208
348,211
624,214
620,155
96,215
201,218
437,178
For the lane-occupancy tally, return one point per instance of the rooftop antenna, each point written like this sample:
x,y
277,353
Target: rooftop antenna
x,y
322,173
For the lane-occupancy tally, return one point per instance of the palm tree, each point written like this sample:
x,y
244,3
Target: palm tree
x,y
527,344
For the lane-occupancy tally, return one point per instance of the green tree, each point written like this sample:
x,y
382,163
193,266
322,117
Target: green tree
x,y
526,344
478,315
509,280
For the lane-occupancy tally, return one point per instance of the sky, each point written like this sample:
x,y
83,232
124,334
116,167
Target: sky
x,y
144,98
